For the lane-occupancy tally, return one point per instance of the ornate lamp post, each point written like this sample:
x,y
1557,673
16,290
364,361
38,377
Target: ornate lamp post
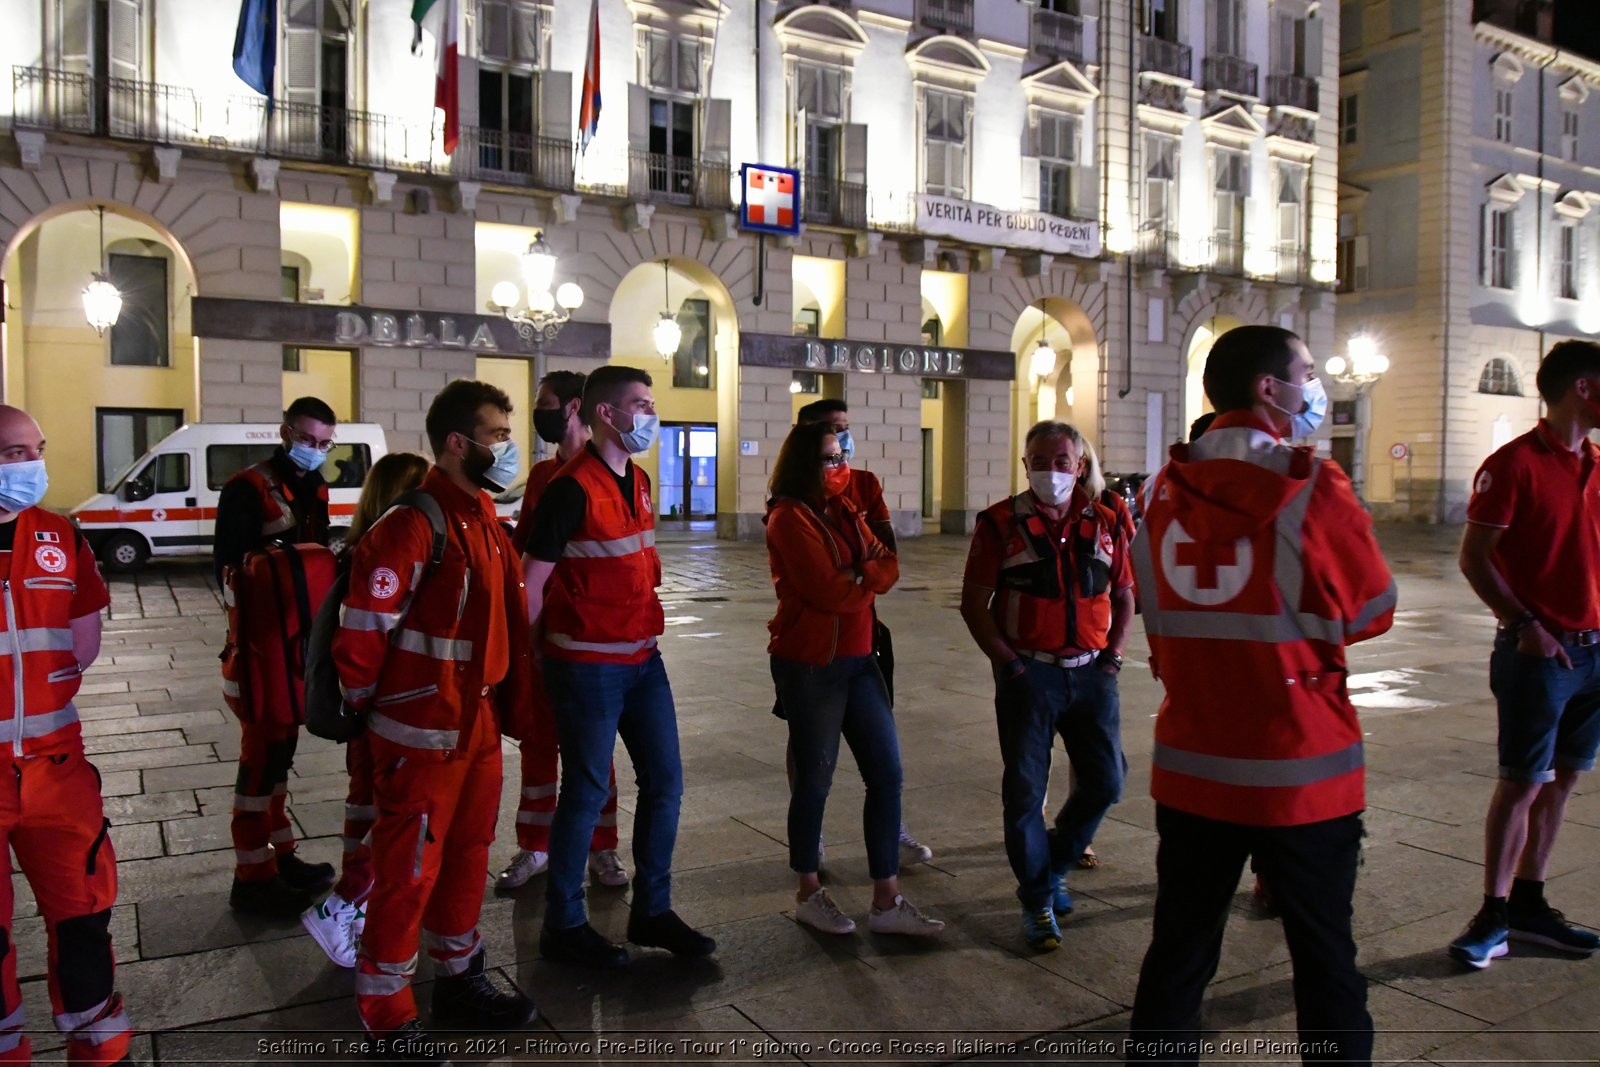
x,y
1360,370
545,312
101,301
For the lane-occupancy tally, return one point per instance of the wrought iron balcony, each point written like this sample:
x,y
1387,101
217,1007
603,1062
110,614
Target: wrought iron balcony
x,y
1157,248
1057,35
946,16
834,203
514,159
1230,74
1160,56
1292,90
658,178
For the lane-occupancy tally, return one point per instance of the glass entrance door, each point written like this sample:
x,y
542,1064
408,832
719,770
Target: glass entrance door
x,y
688,472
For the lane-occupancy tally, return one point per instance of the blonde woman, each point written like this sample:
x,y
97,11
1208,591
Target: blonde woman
x,y
336,923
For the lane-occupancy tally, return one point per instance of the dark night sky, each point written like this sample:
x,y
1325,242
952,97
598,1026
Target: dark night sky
x,y
1577,26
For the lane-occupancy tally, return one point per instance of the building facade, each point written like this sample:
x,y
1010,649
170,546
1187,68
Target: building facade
x,y
1469,223
1112,182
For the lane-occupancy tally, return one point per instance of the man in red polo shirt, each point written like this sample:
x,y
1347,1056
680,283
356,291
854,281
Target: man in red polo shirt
x,y
1048,597
1532,554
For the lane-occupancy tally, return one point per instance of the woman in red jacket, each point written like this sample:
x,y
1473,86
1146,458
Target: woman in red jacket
x,y
827,568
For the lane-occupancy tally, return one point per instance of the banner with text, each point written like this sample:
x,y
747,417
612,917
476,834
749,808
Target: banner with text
x,y
984,225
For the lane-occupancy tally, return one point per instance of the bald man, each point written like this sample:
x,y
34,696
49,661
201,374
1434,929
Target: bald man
x,y
51,814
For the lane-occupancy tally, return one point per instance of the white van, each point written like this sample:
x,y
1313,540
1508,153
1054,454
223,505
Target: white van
x,y
165,504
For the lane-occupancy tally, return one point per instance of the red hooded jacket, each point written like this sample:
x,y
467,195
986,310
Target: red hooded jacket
x,y
824,609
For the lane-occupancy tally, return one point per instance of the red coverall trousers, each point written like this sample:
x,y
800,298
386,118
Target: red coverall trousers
x,y
52,818
355,876
261,826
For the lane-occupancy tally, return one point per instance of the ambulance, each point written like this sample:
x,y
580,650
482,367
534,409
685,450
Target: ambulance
x,y
165,503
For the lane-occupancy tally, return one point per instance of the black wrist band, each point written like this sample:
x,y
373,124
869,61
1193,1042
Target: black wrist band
x,y
1106,655
1516,627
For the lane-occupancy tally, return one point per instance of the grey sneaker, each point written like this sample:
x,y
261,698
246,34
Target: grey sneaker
x,y
912,851
523,866
820,913
903,919
607,868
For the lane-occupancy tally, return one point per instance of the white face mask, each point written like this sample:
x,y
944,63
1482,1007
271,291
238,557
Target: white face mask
x,y
1053,488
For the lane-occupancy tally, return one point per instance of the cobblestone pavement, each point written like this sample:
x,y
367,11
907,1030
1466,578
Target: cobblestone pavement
x,y
211,987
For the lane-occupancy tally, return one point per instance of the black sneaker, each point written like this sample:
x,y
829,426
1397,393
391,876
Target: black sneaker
x,y
669,932
273,898
470,1001
312,879
581,946
409,1044
1543,925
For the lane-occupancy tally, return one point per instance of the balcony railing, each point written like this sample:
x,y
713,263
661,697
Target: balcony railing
x,y
1058,35
834,203
1230,74
667,179
946,16
1292,90
1160,56
484,154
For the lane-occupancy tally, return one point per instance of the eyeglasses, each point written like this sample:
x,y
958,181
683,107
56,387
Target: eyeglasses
x,y
311,442
833,459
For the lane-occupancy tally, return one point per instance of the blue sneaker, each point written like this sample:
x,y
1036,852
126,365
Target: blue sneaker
x,y
1060,896
1040,931
1544,925
1483,940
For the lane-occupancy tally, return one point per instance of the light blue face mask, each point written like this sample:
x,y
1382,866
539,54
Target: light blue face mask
x,y
503,471
847,444
1313,408
643,435
22,485
307,457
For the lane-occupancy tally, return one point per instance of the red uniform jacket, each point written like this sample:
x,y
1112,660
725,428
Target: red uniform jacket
x,y
419,653
1256,567
823,611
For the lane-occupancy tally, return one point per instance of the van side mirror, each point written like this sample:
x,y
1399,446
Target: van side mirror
x,y
139,488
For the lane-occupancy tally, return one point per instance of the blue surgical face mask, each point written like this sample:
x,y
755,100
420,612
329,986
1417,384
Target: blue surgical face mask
x,y
503,471
847,444
22,485
643,435
1313,407
307,457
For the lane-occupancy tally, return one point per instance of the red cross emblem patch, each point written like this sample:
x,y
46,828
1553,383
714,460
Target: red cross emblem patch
x,y
50,558
383,584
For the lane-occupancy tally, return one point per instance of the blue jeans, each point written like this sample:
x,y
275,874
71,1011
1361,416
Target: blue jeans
x,y
1081,705
1549,715
594,703
846,698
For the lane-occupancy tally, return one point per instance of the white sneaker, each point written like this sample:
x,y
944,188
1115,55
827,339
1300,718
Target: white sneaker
x,y
912,851
523,866
335,925
820,913
607,868
903,918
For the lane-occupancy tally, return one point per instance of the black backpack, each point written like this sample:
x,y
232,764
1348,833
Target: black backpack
x,y
327,715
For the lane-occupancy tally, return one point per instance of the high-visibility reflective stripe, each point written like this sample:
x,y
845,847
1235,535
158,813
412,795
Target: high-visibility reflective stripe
x,y
10,1039
351,696
38,725
404,969
407,694
453,964
1381,604
65,674
99,1031
451,650
246,857
50,583
16,1018
67,1021
1261,773
621,546
371,621
620,648
538,792
411,736
536,818
450,943
230,688
37,639
360,812
380,985
244,803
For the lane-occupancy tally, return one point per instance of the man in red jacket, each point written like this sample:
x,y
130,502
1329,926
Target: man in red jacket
x,y
1257,556
439,660
556,421
593,542
51,813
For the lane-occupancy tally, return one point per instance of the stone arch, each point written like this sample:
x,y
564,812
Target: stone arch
x,y
1204,318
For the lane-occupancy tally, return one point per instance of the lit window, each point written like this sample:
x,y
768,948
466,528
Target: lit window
x,y
945,144
1160,182
1567,264
1497,239
1057,147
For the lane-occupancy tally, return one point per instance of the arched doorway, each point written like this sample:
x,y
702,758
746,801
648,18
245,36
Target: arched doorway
x,y
696,386
1205,335
1069,390
102,401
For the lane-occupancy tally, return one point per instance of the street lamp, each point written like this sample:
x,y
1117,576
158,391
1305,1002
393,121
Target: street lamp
x,y
667,333
1044,357
101,301
546,313
1364,366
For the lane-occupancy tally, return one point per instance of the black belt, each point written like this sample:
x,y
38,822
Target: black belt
x,y
1581,638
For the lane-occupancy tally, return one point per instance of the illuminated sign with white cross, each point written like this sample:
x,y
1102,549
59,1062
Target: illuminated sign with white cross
x,y
771,201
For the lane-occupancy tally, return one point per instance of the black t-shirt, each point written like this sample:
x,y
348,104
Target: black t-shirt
x,y
560,511
239,520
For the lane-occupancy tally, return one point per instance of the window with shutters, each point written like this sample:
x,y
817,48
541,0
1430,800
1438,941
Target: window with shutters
x,y
674,63
1499,230
1056,143
944,160
1504,102
1350,118
1569,134
510,43
312,115
1230,185
1288,45
1160,183
1291,213
1567,261
1352,263
1227,28
1159,18
819,115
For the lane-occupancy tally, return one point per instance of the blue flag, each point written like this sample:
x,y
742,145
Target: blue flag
x,y
255,45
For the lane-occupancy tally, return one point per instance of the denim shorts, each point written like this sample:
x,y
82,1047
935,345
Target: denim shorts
x,y
1549,714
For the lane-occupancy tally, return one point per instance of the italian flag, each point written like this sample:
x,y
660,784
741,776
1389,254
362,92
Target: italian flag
x,y
441,17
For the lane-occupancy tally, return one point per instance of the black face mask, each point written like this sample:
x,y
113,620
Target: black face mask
x,y
550,424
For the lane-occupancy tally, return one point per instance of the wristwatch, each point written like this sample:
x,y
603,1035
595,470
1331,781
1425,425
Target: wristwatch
x,y
1107,656
1515,627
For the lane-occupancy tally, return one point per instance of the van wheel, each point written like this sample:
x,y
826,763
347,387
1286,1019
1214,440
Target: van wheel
x,y
337,535
123,553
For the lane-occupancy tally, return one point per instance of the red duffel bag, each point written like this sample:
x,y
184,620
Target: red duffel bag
x,y
271,602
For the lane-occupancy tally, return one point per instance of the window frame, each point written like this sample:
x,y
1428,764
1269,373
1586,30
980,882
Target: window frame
x,y
1169,151
110,480
1066,129
119,337
1571,123
1505,103
683,365
1349,119
1499,255
1567,259
946,99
